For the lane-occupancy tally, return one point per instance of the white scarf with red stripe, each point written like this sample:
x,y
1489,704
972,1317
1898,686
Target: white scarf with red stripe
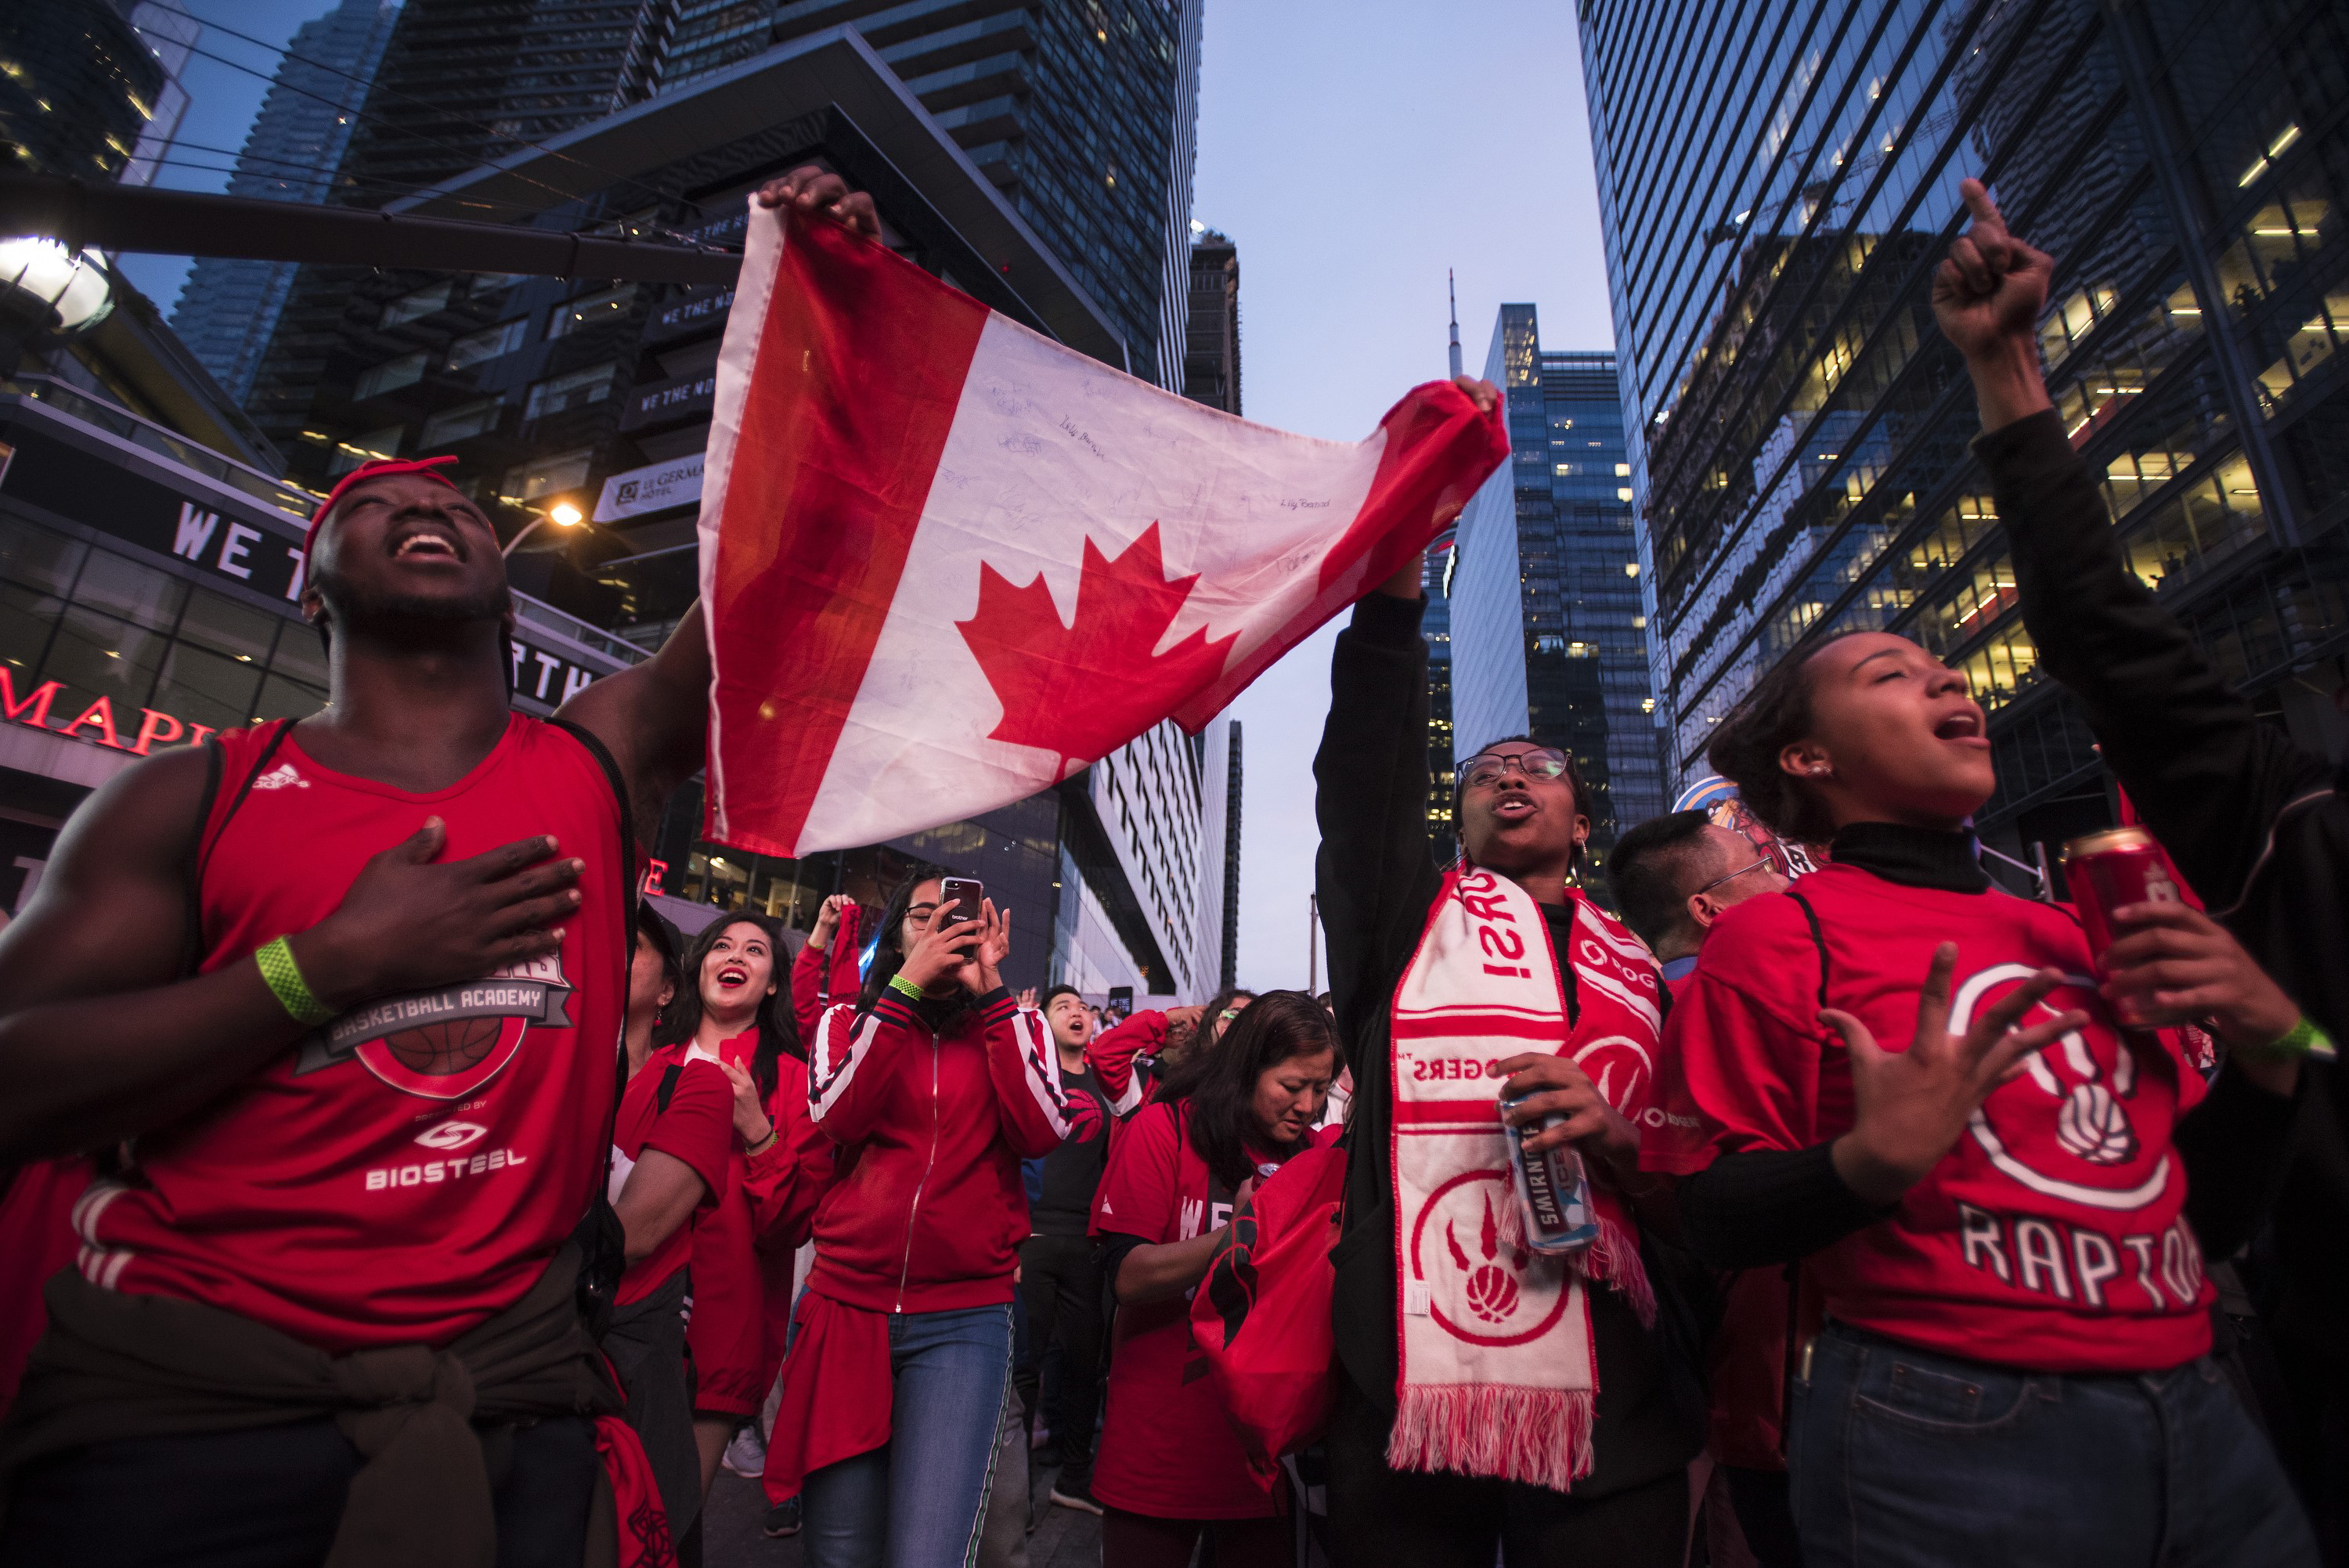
x,y
1497,1374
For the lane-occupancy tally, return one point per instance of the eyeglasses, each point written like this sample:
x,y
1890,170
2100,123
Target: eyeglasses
x,y
1485,770
1731,877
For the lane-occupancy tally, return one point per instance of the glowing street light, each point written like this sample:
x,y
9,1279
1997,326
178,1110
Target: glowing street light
x,y
563,514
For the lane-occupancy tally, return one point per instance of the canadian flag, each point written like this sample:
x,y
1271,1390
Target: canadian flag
x,y
947,561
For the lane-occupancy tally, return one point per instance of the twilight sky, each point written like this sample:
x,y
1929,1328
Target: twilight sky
x,y
1354,149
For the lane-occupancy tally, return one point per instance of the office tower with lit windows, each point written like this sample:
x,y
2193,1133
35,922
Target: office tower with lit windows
x,y
1775,189
228,307
1546,618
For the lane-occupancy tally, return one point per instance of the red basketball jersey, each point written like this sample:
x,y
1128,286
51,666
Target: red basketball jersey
x,y
408,1169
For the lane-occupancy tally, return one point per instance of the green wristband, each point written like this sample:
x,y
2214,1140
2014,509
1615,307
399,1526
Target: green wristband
x,y
285,983
905,987
2306,1039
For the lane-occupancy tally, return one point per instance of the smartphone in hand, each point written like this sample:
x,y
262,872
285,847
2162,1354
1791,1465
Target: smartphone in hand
x,y
959,900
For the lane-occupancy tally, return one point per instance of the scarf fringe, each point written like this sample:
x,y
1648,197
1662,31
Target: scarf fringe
x,y
1538,1435
1614,1258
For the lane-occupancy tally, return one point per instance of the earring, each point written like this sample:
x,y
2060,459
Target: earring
x,y
1818,772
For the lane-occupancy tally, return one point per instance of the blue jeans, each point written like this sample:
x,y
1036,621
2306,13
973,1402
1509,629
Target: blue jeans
x,y
917,1501
1904,1458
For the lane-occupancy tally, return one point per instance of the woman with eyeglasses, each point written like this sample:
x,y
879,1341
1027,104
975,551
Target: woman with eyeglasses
x,y
1493,1397
933,1088
1993,1149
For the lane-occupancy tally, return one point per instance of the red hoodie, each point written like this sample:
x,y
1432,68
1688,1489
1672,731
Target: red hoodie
x,y
823,977
928,1210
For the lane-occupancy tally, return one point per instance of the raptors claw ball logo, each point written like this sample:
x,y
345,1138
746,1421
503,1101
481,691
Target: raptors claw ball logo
x,y
1492,1289
446,1042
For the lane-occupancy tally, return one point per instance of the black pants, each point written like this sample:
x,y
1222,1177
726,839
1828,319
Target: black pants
x,y
1061,1287
1765,1515
272,1497
1380,1516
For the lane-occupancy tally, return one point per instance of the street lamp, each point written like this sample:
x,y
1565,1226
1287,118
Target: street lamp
x,y
53,287
563,515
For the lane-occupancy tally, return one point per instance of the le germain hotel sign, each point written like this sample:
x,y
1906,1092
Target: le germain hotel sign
x,y
253,549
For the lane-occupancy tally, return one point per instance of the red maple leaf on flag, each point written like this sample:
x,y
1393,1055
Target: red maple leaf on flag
x,y
1081,689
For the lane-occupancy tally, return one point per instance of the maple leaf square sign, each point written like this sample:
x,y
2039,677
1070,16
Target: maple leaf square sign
x,y
948,561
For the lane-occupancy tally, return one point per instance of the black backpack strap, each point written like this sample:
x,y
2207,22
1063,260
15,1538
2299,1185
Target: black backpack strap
x,y
669,1075
598,1232
191,949
1818,938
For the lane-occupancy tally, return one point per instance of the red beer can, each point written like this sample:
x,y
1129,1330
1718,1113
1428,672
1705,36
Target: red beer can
x,y
2110,871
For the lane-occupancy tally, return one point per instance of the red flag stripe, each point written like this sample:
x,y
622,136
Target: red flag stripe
x,y
1438,452
860,366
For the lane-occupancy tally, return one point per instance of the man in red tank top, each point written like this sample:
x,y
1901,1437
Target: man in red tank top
x,y
346,995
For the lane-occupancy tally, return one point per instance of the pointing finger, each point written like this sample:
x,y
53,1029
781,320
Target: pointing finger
x,y
1979,207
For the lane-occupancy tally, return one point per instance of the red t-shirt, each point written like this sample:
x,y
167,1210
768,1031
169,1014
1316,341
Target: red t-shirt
x,y
408,1168
697,1127
2053,1236
1167,1449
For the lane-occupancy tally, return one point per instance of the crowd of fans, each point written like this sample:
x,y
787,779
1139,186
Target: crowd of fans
x,y
1911,1207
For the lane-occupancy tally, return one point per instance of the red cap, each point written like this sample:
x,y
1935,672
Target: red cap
x,y
373,469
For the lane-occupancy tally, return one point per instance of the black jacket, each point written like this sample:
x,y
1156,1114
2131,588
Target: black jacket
x,y
2257,826
1377,879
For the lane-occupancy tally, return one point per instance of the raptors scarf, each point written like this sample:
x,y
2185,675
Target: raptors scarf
x,y
1497,1374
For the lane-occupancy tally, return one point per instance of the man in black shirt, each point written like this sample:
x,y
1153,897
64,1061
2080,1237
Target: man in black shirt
x,y
1378,880
1059,1285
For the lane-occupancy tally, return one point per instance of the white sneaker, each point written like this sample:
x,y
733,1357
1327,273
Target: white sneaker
x,y
746,1456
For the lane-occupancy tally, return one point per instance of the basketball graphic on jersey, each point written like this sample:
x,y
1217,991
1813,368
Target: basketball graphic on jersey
x,y
440,1050
2081,1086
448,1041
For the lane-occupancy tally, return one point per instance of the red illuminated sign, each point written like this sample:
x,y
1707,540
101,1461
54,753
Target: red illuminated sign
x,y
155,728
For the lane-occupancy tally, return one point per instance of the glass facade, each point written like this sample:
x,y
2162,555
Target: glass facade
x,y
102,625
1798,429
1083,112
228,307
1544,612
78,86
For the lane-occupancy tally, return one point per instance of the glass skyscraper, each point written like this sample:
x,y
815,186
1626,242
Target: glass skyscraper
x,y
229,305
1545,615
1083,112
1776,188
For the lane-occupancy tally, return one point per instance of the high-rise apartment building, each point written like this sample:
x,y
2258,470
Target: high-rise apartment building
x,y
1776,188
1547,629
1083,112
228,307
1211,338
461,82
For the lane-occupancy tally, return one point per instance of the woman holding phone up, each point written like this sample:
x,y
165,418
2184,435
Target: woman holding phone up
x,y
934,1086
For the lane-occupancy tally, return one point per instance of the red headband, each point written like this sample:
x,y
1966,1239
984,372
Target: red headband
x,y
373,469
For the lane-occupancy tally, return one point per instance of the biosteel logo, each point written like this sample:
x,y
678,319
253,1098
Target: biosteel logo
x,y
155,728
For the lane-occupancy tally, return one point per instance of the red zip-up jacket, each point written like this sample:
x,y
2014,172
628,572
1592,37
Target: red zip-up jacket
x,y
928,1209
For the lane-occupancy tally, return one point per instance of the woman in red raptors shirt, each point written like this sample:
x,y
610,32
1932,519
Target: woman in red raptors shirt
x,y
2004,1170
933,1088
1170,1467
